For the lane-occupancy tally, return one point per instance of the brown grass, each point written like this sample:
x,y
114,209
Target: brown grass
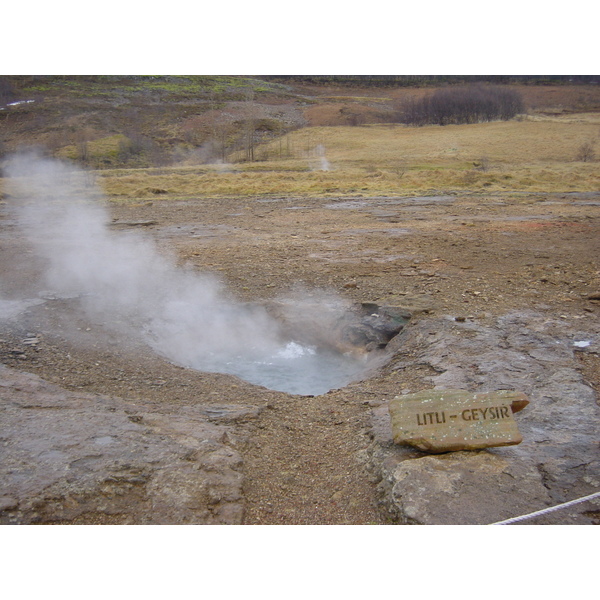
x,y
505,142
535,154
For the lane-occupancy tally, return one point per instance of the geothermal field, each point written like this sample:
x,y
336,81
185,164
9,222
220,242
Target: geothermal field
x,y
218,340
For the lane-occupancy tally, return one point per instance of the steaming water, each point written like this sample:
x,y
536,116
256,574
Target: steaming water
x,y
134,290
294,368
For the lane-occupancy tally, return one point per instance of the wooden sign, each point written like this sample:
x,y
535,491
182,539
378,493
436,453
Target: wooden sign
x,y
445,420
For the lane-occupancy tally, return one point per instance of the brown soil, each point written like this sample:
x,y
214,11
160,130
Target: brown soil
x,y
468,256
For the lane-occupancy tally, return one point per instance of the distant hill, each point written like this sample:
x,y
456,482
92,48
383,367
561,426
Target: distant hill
x,y
435,80
140,121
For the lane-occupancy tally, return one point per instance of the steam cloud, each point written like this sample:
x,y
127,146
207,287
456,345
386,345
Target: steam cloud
x,y
124,282
323,163
122,275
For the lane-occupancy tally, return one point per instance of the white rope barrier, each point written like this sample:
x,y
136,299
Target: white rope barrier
x,y
547,510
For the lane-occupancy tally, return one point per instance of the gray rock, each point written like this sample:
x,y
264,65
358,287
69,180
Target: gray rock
x,y
465,488
81,458
526,351
342,327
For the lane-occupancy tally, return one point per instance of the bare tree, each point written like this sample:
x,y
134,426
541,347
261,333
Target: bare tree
x,y
459,105
586,152
7,92
223,130
82,137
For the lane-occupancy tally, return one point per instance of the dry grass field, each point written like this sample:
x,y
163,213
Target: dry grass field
x,y
533,154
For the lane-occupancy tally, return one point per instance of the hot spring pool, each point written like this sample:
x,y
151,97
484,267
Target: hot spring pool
x,y
294,368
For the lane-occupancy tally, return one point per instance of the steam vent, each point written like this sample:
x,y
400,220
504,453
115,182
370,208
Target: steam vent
x,y
326,345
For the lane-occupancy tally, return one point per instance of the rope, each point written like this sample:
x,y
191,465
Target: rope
x,y
547,510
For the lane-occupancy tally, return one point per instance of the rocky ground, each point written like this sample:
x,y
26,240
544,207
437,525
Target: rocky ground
x,y
504,292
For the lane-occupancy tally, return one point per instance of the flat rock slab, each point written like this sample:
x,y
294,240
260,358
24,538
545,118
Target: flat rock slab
x,y
78,458
447,420
529,351
466,488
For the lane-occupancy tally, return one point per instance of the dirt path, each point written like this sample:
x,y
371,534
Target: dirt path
x,y
304,465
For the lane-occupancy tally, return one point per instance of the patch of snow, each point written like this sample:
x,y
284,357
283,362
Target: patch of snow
x,y
20,102
17,103
582,344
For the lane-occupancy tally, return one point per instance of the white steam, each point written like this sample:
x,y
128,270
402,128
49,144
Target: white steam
x,y
320,163
125,283
324,163
122,277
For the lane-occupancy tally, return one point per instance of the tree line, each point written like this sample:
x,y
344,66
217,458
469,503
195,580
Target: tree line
x,y
433,80
462,105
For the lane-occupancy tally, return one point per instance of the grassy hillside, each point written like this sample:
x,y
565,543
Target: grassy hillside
x,y
139,121
200,136
540,155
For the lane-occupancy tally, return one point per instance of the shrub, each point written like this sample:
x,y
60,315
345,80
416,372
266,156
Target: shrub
x,y
459,105
586,152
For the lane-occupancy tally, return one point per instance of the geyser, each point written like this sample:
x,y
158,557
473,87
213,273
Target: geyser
x,y
125,284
